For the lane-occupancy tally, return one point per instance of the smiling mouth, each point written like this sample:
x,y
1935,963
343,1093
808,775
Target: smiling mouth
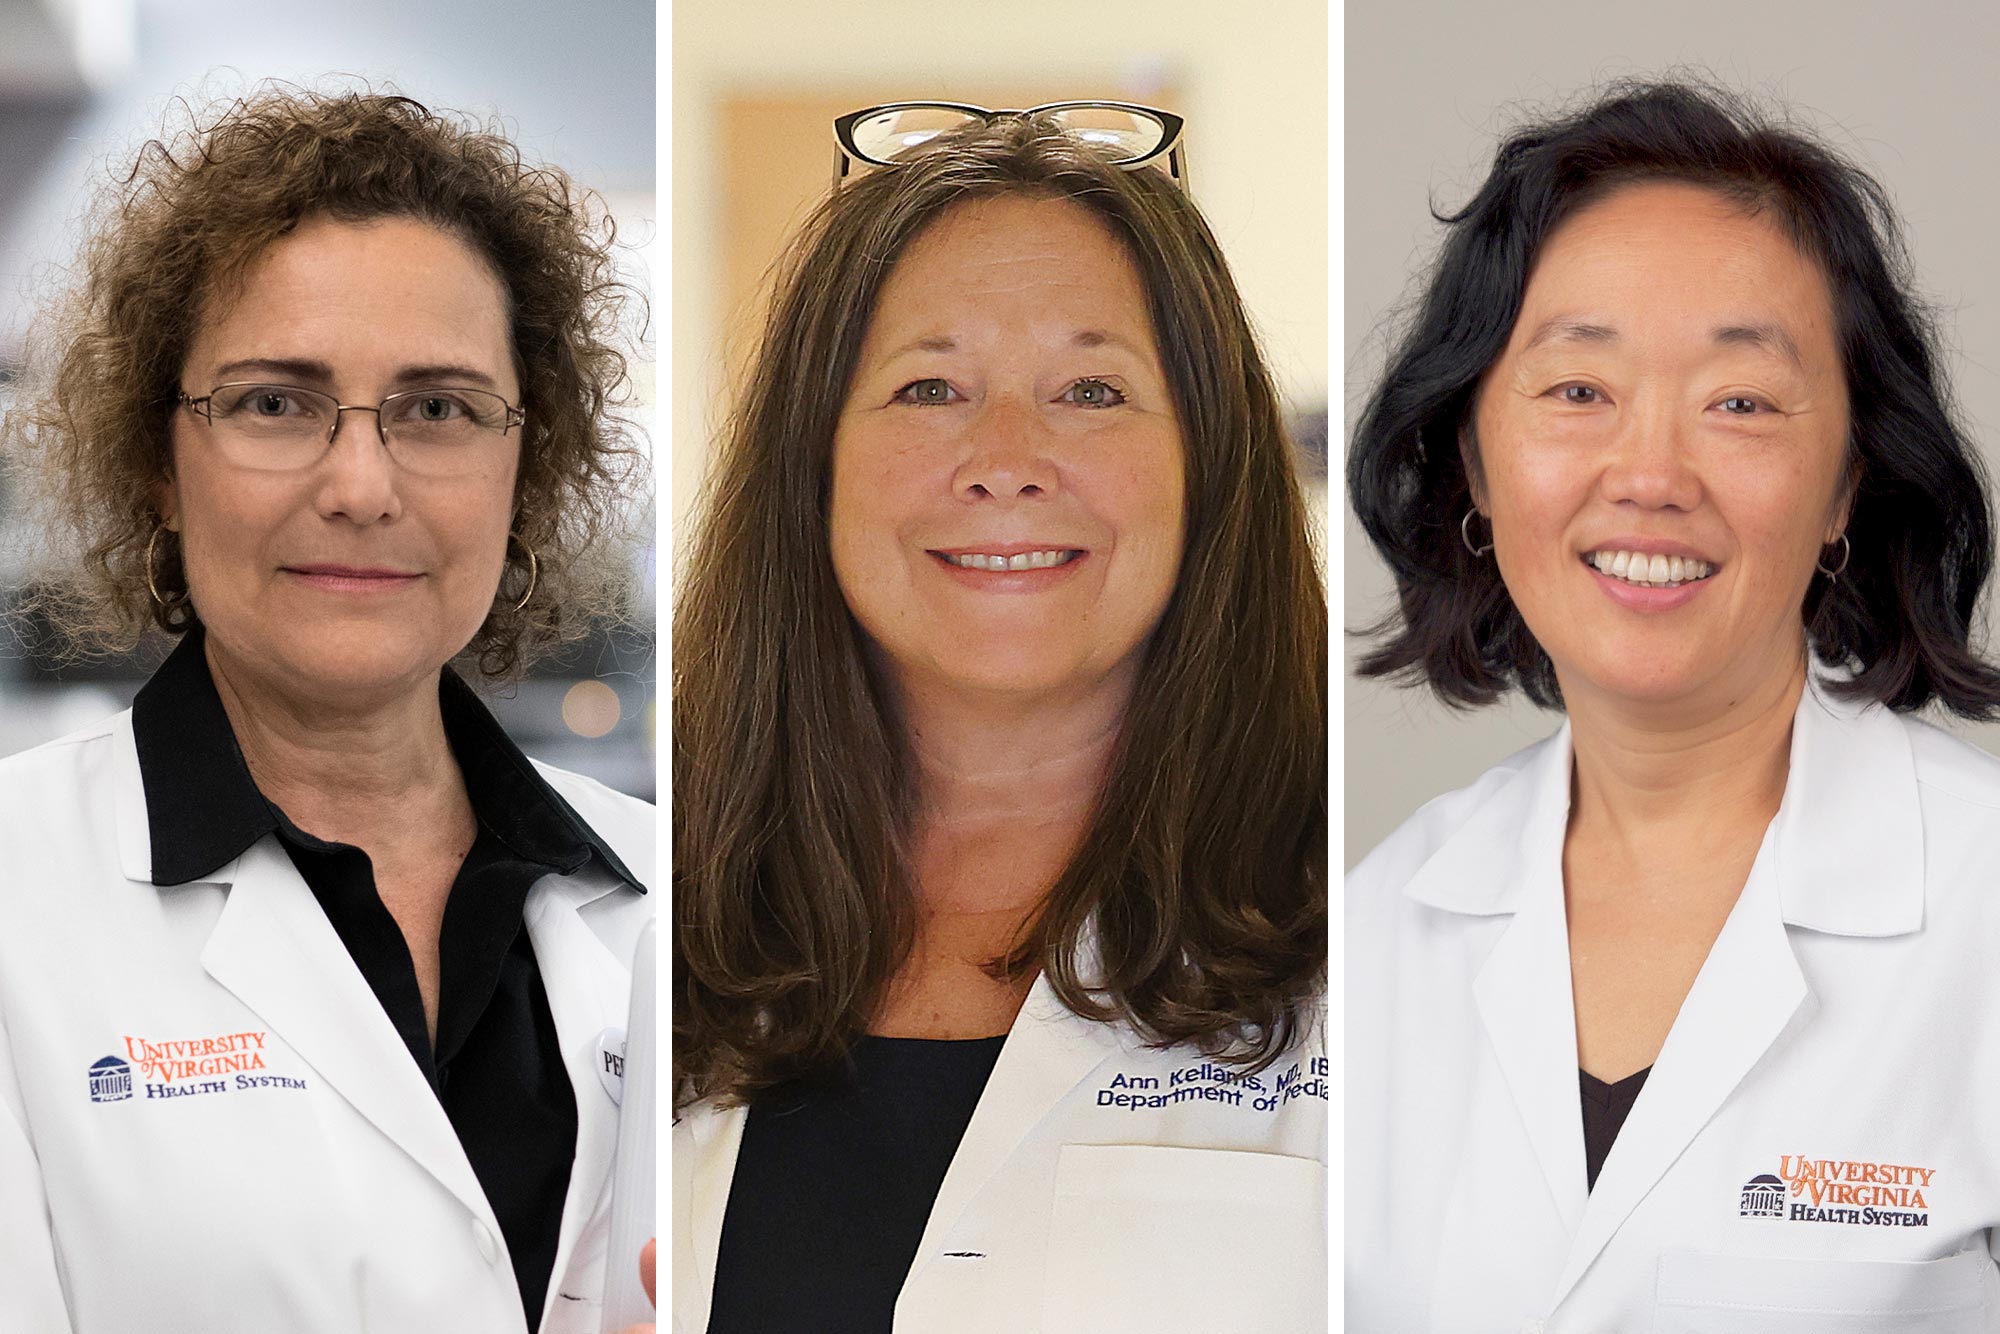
x,y
1649,571
1026,560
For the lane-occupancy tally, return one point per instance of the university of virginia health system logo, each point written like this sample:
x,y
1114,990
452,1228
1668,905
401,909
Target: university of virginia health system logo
x,y
110,1080
1835,1190
186,1067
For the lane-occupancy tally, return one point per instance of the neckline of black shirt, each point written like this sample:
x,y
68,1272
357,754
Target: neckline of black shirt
x,y
1605,1107
203,807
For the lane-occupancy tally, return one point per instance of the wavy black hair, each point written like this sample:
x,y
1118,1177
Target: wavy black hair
x,y
1897,622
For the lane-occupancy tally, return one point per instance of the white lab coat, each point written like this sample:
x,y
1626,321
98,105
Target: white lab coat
x,y
1842,1040
318,1187
1100,1186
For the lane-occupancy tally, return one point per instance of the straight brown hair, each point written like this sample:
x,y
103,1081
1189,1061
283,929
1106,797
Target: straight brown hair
x,y
1194,908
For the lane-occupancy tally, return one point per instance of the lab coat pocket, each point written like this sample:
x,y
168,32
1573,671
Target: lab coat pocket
x,y
1711,1294
1149,1238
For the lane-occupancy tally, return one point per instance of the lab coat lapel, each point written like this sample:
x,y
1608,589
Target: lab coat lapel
x,y
702,1184
1844,855
1748,991
1523,990
589,990
273,948
1048,1052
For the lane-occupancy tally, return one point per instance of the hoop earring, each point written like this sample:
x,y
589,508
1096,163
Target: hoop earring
x,y
534,571
168,605
1846,551
1465,534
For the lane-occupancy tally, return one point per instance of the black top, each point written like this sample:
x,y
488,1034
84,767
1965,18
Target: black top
x,y
1605,1107
835,1182
497,1068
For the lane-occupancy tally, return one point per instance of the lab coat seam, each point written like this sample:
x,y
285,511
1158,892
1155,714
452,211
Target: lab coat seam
x,y
26,759
1991,803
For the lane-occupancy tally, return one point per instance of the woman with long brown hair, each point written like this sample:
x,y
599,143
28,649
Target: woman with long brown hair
x,y
999,756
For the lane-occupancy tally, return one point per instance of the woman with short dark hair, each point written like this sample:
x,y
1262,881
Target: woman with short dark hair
x,y
999,743
1667,430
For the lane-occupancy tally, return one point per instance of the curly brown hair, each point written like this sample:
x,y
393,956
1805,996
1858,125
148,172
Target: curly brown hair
x,y
173,234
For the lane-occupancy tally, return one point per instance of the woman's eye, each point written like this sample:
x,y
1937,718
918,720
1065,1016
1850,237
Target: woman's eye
x,y
1580,394
927,393
1740,406
1093,394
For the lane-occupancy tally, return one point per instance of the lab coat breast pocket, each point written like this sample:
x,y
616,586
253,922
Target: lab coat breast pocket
x,y
1146,1237
1711,1294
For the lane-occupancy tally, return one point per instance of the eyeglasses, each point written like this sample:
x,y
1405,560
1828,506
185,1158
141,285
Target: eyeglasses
x,y
281,427
1128,134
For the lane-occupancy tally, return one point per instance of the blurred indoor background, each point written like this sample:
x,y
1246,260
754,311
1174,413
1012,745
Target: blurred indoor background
x,y
84,82
757,84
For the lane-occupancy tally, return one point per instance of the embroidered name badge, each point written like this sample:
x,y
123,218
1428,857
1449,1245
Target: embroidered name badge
x,y
1837,1190
184,1068
1207,1081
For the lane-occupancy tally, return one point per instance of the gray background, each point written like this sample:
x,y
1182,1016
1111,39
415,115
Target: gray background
x,y
1911,91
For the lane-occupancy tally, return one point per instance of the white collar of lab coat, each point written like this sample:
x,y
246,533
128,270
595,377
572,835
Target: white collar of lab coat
x,y
1847,841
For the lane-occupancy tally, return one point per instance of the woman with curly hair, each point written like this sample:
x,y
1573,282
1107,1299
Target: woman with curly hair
x,y
305,970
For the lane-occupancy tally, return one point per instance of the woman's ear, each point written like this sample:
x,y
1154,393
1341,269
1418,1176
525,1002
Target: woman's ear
x,y
1468,457
1843,503
167,504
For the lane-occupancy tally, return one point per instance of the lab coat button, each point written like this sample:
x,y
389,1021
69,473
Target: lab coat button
x,y
489,1245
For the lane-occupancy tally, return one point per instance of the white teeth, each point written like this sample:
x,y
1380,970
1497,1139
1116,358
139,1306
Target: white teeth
x,y
1648,571
1027,560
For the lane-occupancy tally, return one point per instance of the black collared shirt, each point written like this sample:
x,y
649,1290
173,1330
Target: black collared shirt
x,y
497,1068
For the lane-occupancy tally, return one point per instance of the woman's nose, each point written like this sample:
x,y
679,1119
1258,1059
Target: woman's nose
x,y
1651,465
359,478
1009,455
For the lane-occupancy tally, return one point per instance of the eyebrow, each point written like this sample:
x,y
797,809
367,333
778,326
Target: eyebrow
x,y
928,343
1088,338
1563,329
1763,335
311,372
940,342
1766,336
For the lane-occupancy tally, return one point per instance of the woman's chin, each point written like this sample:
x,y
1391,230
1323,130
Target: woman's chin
x,y
334,663
1015,674
1639,684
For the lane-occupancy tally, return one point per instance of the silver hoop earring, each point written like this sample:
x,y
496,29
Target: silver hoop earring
x,y
534,571
1846,550
1465,534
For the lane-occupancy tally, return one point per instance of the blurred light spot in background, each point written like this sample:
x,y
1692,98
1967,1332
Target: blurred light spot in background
x,y
590,708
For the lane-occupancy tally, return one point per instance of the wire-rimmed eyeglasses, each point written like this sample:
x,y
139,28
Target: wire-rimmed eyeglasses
x,y
1128,134
437,430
